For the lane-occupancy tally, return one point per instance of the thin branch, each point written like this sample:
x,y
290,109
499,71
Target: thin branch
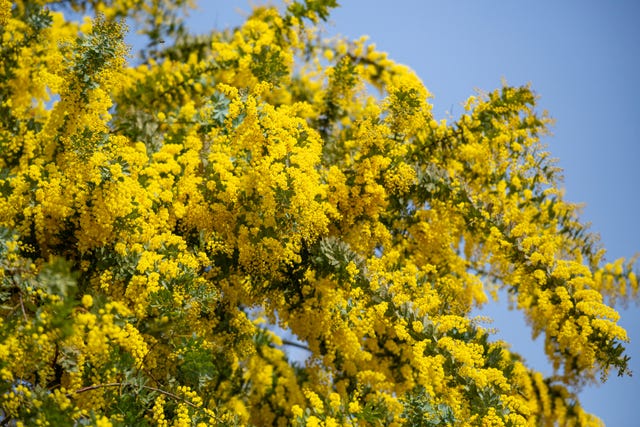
x,y
94,387
99,386
24,312
295,344
173,396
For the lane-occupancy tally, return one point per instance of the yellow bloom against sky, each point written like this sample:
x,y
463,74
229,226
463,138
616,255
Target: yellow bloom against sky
x,y
161,214
562,49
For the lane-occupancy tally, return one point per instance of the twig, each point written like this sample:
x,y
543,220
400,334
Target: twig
x,y
99,386
94,387
24,312
295,344
173,396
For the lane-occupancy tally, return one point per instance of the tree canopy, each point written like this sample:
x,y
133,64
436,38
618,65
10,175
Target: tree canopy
x,y
163,218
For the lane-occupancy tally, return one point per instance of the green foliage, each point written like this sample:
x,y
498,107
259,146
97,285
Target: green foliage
x,y
420,412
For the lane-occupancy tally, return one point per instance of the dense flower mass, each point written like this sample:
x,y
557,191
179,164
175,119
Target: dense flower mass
x,y
161,224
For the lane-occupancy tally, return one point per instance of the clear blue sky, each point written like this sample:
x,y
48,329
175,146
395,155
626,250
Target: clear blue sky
x,y
581,57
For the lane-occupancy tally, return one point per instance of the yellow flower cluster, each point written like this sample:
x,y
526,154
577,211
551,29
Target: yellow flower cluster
x,y
5,11
152,216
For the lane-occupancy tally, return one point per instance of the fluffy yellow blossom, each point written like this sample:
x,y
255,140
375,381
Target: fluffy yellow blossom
x,y
5,11
87,301
173,232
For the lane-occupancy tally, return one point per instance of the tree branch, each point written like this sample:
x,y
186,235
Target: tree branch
x,y
297,345
99,386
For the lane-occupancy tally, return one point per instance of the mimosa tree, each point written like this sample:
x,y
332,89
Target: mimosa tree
x,y
157,220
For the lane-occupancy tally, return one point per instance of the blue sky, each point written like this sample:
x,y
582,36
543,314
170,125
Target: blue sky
x,y
581,57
